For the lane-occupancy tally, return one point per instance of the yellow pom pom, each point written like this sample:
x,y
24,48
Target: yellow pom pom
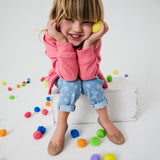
x,y
3,83
96,26
115,72
46,84
109,156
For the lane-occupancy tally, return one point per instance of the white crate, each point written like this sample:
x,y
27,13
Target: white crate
x,y
122,97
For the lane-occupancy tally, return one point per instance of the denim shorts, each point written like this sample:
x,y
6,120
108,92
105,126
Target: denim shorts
x,y
70,91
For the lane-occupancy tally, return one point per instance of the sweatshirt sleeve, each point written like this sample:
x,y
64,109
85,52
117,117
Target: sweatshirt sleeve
x,y
88,60
63,58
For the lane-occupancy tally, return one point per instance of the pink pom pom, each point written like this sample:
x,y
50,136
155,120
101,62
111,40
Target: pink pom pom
x,y
27,114
44,112
9,89
37,135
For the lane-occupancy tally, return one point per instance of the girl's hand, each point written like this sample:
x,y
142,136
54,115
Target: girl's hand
x,y
95,36
54,33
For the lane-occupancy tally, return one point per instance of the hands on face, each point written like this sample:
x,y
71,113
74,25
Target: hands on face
x,y
54,33
58,36
95,36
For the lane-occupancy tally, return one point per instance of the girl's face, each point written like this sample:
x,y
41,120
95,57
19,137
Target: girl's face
x,y
76,31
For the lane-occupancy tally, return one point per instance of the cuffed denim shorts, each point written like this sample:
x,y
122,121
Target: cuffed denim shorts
x,y
70,91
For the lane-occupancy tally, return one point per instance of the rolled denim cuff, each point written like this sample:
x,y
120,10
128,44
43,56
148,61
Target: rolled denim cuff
x,y
100,105
66,108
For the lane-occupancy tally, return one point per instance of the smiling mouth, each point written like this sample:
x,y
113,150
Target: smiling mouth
x,y
75,37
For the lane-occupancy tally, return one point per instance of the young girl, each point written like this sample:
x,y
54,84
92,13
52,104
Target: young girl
x,y
74,52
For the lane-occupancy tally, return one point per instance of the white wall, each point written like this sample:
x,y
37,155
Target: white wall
x,y
131,45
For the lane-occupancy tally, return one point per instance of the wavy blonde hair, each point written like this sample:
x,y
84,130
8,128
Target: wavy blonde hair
x,y
91,10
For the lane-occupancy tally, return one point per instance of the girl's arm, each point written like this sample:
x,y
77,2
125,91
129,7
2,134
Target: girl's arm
x,y
89,57
62,56
89,60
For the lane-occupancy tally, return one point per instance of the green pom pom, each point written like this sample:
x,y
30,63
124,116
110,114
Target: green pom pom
x,y
23,84
109,78
95,141
11,97
100,133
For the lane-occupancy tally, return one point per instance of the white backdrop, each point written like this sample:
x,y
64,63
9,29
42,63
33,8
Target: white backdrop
x,y
131,46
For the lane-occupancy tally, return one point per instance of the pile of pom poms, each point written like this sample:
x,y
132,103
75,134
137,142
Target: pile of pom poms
x,y
37,109
40,131
107,156
94,141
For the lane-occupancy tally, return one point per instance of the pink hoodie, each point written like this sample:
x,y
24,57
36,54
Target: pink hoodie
x,y
68,63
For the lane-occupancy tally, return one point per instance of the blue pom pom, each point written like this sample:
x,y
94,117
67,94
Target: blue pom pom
x,y
74,133
36,109
48,99
42,129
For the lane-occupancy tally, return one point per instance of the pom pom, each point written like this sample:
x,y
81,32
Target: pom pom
x,y
44,112
36,109
42,129
27,114
95,157
95,141
3,132
48,99
48,103
97,26
81,143
74,133
109,156
115,72
18,86
37,135
109,78
3,83
9,89
100,133
11,97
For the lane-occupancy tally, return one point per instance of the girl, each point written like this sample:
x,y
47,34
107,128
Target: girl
x,y
74,52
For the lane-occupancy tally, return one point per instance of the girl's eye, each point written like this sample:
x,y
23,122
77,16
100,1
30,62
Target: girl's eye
x,y
69,19
86,22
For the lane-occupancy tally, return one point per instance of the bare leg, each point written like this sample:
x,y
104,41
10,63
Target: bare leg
x,y
59,133
57,141
112,131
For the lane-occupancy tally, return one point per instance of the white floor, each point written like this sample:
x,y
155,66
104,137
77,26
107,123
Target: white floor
x,y
142,135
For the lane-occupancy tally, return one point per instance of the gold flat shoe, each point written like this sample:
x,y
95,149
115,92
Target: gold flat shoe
x,y
119,139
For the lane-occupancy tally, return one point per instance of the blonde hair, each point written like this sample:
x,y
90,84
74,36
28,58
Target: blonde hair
x,y
91,10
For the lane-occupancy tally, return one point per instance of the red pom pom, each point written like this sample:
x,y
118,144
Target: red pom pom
x,y
44,112
37,135
27,114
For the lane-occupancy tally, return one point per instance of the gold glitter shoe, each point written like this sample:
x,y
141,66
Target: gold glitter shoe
x,y
119,139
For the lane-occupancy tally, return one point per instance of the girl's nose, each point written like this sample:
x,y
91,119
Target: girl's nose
x,y
77,26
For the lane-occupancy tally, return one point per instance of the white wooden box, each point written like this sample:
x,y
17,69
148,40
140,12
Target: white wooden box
x,y
122,97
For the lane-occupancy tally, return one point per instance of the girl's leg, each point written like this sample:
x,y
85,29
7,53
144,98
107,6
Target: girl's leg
x,y
112,131
57,141
69,93
95,93
61,127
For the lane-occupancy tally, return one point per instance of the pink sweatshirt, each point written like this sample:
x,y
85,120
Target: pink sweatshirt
x,y
68,63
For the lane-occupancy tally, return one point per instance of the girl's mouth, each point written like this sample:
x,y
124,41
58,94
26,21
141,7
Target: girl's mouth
x,y
75,37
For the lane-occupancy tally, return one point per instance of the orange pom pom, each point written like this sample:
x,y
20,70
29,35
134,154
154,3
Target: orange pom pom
x,y
48,103
18,85
81,143
3,132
